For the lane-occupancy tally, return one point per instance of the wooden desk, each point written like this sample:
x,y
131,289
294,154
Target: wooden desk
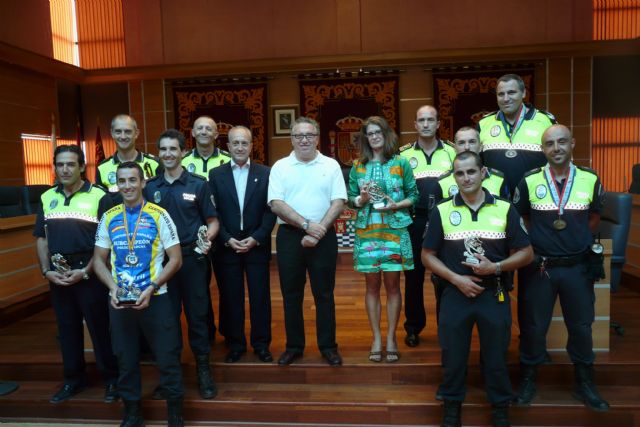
x,y
20,276
632,265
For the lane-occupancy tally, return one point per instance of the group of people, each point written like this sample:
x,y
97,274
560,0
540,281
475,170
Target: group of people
x,y
504,196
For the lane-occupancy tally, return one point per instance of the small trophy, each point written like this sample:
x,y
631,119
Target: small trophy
x,y
201,241
127,293
473,245
377,195
60,264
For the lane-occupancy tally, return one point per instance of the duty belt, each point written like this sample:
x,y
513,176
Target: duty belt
x,y
561,261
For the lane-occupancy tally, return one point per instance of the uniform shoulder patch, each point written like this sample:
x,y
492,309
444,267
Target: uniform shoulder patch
x,y
587,169
108,159
202,178
224,153
532,172
549,115
150,156
493,113
445,175
98,188
448,199
447,142
496,172
406,147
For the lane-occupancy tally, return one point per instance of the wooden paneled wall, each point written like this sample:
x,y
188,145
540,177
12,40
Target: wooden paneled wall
x,y
27,101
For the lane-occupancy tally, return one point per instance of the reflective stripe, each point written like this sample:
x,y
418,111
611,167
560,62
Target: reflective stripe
x,y
492,235
572,206
71,215
428,174
507,146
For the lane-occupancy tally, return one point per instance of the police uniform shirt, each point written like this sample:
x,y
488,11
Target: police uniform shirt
x,y
187,199
427,169
195,163
500,139
71,222
533,198
496,223
494,182
106,170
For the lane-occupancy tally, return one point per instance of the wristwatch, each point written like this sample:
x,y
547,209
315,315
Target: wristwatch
x,y
305,225
155,286
85,275
44,272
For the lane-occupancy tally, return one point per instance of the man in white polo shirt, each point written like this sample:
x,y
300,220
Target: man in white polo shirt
x,y
307,193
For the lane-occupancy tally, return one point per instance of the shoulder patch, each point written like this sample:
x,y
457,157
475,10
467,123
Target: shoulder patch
x,y
532,172
447,142
224,153
493,113
406,147
549,115
150,156
448,199
445,175
587,169
108,159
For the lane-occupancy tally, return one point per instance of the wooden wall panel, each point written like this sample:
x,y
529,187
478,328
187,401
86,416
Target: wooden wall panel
x,y
142,27
27,100
27,24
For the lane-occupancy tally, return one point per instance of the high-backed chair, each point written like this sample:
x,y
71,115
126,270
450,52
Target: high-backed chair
x,y
11,202
31,197
615,220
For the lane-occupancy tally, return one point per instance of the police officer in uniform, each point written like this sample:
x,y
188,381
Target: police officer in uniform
x,y
430,158
468,139
124,131
562,203
187,198
472,240
205,156
65,228
137,236
511,135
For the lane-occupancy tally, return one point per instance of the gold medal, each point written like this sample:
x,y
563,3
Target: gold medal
x,y
559,224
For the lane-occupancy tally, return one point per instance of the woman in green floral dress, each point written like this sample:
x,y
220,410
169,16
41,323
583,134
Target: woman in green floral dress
x,y
382,188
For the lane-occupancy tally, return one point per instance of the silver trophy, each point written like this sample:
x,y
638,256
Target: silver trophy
x,y
127,293
201,241
377,195
60,264
473,245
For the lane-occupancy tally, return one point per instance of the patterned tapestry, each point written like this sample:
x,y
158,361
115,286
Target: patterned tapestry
x,y
228,105
462,99
341,105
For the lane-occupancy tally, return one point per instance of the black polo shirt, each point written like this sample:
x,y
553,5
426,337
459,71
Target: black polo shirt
x,y
187,199
545,239
69,230
451,251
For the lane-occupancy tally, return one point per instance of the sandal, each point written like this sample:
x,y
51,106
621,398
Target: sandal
x,y
392,356
375,356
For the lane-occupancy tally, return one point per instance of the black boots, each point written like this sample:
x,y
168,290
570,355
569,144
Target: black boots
x,y
451,414
585,390
527,389
132,414
206,386
174,413
500,415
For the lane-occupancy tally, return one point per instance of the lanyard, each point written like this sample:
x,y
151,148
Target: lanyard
x,y
512,130
560,198
131,241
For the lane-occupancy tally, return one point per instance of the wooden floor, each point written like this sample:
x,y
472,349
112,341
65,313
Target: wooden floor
x,y
311,393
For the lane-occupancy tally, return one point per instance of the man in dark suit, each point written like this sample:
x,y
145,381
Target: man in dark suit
x,y
239,189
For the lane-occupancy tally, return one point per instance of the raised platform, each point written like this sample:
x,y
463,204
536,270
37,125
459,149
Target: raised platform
x,y
312,393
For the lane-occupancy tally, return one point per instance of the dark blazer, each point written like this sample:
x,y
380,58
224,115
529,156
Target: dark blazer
x,y
258,218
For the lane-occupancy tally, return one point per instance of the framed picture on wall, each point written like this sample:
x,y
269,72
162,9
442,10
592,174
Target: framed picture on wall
x,y
283,119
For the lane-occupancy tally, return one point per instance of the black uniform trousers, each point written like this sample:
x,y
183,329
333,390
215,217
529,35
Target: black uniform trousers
x,y
162,331
414,312
189,287
458,314
294,261
86,299
537,295
232,274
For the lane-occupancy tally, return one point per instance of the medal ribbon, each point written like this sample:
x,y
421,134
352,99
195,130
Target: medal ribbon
x,y
511,130
131,241
560,198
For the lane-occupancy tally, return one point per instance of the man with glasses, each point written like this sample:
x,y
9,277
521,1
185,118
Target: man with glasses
x,y
307,193
239,189
429,158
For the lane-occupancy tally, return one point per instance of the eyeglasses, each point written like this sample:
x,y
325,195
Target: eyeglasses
x,y
308,137
374,133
